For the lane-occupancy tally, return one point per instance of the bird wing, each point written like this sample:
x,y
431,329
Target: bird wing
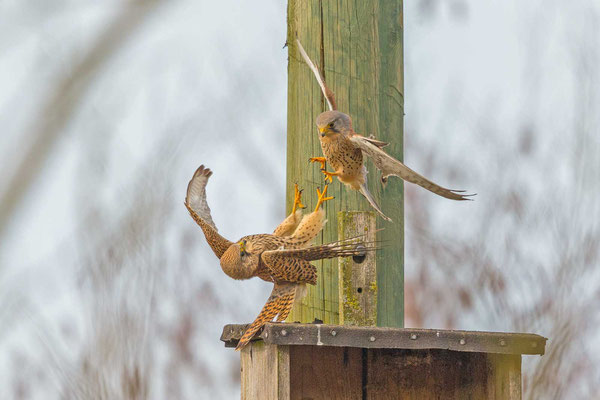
x,y
195,201
279,303
289,268
388,165
376,142
342,248
196,195
329,96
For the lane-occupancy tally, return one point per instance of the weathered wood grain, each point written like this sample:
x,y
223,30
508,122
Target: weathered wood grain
x,y
265,372
276,371
358,276
325,373
504,376
393,338
442,374
358,46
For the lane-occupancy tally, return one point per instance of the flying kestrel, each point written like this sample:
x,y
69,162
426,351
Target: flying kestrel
x,y
344,150
281,257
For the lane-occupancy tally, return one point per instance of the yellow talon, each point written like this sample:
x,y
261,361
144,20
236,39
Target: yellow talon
x,y
321,160
328,175
322,198
297,199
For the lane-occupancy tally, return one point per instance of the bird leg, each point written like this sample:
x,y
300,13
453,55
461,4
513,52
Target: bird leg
x,y
297,199
322,198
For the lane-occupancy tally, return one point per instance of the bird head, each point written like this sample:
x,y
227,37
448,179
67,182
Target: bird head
x,y
238,261
332,123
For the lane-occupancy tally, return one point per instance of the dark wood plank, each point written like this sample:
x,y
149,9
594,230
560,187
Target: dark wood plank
x,y
441,374
328,373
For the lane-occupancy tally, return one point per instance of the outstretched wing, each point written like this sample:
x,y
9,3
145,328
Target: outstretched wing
x,y
196,195
342,248
326,91
388,165
195,201
279,303
289,269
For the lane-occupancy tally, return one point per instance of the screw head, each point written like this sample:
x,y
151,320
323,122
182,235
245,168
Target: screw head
x,y
283,332
462,341
333,333
413,336
502,342
372,338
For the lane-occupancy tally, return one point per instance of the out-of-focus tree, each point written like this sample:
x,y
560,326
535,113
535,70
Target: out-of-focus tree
x,y
525,257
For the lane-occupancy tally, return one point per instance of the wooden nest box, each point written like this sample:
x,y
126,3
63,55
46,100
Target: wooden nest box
x,y
318,361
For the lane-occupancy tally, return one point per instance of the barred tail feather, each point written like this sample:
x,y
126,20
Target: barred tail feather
x,y
287,302
365,192
279,303
342,248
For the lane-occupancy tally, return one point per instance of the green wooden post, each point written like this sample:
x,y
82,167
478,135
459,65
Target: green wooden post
x,y
358,46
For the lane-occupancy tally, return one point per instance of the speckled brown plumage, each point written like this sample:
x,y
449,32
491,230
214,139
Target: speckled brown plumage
x,y
282,257
345,159
279,303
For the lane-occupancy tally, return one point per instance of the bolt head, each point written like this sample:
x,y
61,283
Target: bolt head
x,y
413,336
372,338
462,341
283,332
333,333
502,342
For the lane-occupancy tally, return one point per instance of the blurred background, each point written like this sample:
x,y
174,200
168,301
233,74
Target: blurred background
x,y
107,287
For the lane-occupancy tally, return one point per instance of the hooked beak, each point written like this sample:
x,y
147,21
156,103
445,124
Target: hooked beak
x,y
243,248
323,131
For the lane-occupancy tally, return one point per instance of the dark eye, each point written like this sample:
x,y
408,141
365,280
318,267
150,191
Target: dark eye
x,y
331,125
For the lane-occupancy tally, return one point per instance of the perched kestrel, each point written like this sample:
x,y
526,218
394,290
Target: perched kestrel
x,y
344,150
281,257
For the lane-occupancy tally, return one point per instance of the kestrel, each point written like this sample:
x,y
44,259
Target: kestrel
x,y
344,150
281,257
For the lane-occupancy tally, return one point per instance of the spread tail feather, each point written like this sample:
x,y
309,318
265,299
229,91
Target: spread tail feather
x,y
280,303
365,192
